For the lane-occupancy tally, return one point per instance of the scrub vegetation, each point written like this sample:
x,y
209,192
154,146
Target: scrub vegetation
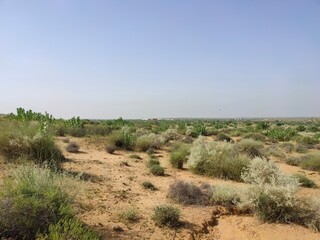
x,y
153,174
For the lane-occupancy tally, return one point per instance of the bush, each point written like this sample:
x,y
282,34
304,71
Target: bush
x,y
179,155
224,137
293,161
68,229
129,215
149,185
301,148
304,181
288,147
31,202
225,196
26,141
165,215
311,162
153,161
157,170
273,193
256,136
121,139
148,141
189,194
281,134
73,147
217,160
250,147
306,140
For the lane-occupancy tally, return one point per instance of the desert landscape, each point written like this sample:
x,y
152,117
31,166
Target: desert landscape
x,y
160,179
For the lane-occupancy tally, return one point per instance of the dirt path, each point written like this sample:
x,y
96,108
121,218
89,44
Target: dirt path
x,y
115,187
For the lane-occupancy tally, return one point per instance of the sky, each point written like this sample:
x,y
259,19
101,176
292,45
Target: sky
x,y
104,59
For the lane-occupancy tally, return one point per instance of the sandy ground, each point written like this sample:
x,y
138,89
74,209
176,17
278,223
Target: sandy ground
x,y
114,187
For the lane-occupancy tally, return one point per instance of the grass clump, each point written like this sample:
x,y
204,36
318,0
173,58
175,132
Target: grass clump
x,y
250,147
73,147
32,201
311,162
149,141
166,215
224,137
179,155
189,194
68,229
304,181
135,156
129,215
157,170
24,140
149,185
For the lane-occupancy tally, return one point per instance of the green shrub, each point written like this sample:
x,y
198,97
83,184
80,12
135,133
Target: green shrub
x,y
129,215
149,141
149,185
135,156
281,134
179,155
189,194
306,140
68,229
217,159
311,162
288,147
26,141
121,139
73,147
225,196
256,136
32,201
157,170
250,147
293,161
153,161
166,215
304,180
224,137
273,193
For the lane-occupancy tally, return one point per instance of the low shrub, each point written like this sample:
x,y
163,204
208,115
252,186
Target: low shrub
x,y
311,162
73,147
287,147
301,148
224,137
217,159
293,161
225,196
153,161
149,141
68,229
157,170
129,215
149,185
250,147
27,141
179,155
273,193
32,201
189,194
304,181
166,215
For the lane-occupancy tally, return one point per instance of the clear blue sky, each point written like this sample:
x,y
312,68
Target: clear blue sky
x,y
142,58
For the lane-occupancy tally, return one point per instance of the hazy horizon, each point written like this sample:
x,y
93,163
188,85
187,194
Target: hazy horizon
x,y
161,59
